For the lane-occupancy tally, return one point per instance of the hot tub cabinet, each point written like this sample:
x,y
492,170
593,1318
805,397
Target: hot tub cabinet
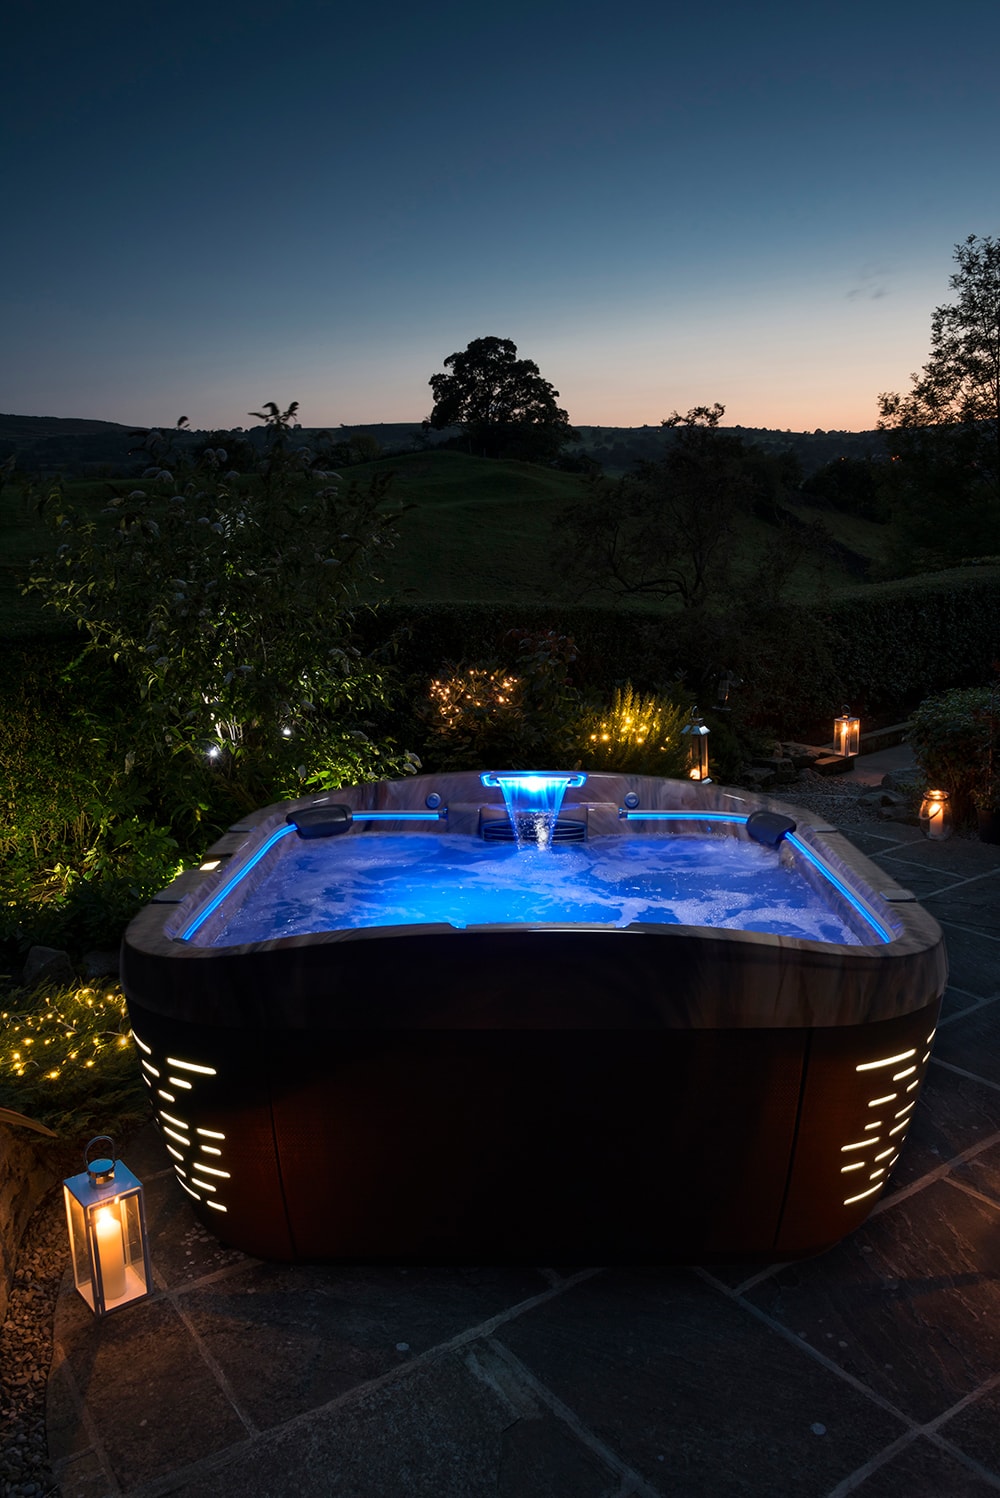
x,y
551,1092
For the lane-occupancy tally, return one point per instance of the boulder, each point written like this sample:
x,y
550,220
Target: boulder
x,y
99,965
47,965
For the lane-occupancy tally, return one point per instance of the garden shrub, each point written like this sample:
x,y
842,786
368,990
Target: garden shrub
x,y
950,734
639,734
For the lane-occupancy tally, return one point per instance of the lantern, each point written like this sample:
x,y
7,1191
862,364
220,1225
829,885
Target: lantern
x,y
935,815
107,1232
846,734
697,741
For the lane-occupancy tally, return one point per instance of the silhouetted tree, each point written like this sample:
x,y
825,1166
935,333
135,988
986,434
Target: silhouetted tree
x,y
501,402
945,434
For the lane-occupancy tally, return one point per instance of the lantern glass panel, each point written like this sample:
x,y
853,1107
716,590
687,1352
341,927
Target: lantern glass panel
x,y
107,1230
846,734
935,815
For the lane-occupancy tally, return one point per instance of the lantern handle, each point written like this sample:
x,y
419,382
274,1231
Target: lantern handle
x,y
96,1140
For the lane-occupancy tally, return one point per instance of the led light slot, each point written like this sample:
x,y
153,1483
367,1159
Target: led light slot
x,y
859,1144
885,1153
205,1185
907,1073
148,1066
210,1071
877,1102
141,1044
180,1122
860,1198
185,1187
218,1206
873,1065
857,1165
877,1124
905,1109
176,1153
180,1082
167,1097
174,1135
904,1125
210,1134
209,1149
210,1170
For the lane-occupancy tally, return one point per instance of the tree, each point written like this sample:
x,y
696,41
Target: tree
x,y
945,433
662,530
228,603
501,402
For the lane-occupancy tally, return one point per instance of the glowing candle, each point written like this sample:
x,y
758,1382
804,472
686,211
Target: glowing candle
x,y
110,1253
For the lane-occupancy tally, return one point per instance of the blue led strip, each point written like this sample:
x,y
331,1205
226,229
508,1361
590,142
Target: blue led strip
x,y
867,915
399,816
233,881
839,885
684,816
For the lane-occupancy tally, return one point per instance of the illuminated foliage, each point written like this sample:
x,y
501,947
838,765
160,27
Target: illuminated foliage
x,y
638,734
229,601
67,1058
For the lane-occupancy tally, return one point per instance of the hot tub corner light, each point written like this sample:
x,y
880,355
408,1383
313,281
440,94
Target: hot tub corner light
x,y
106,1219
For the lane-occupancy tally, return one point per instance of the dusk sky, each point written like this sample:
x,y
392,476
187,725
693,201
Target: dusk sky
x,y
211,206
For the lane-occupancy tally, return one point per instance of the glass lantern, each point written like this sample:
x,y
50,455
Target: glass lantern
x,y
935,815
106,1218
846,734
697,747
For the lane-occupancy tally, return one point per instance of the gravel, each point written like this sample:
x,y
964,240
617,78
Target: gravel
x,y
26,1353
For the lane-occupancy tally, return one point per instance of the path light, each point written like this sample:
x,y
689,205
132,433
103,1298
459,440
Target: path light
x,y
846,734
935,815
107,1232
697,741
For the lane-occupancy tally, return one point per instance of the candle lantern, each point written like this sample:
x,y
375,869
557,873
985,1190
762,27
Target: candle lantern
x,y
107,1232
697,743
935,815
846,734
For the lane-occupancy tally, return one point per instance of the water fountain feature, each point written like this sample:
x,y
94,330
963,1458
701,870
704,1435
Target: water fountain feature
x,y
533,799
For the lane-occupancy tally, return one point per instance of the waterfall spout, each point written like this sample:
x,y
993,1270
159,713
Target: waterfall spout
x,y
533,799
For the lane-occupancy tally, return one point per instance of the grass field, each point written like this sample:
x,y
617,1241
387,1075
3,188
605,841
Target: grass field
x,y
472,530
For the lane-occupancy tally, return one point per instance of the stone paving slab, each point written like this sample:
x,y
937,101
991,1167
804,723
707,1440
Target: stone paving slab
x,y
873,1369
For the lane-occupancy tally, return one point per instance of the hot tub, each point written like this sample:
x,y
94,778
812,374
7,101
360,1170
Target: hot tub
x,y
353,1052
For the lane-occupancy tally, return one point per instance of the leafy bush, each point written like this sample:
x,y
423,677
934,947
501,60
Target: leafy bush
x,y
950,735
638,735
513,716
228,603
67,1059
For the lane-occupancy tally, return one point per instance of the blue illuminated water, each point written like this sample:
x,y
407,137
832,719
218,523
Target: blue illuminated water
x,y
374,879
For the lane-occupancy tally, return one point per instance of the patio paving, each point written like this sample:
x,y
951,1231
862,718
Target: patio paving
x,y
873,1369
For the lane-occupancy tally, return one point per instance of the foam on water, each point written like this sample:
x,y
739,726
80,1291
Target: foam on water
x,y
417,879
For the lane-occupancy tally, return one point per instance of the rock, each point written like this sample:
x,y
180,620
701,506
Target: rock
x,y
899,814
99,965
883,798
47,965
757,777
802,756
779,767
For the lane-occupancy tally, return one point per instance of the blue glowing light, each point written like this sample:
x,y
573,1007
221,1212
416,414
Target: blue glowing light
x,y
839,885
233,881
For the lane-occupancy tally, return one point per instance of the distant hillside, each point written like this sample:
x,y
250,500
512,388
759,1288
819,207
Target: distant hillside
x,y
78,447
